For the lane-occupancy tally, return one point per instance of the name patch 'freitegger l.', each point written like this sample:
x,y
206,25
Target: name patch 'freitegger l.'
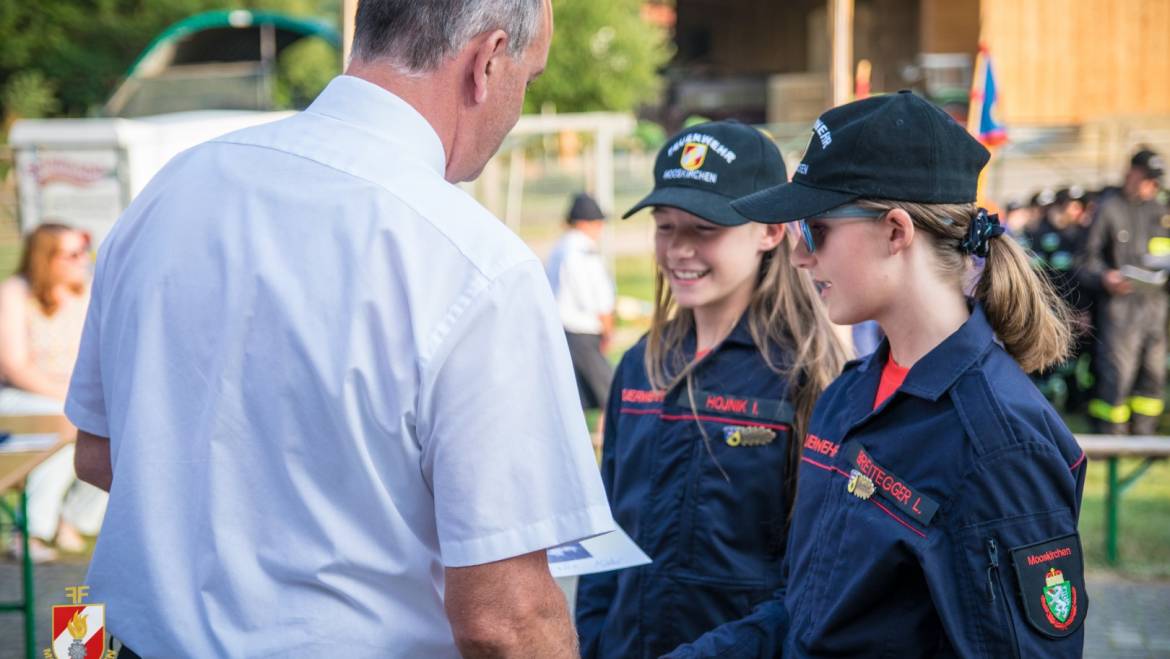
x,y
916,505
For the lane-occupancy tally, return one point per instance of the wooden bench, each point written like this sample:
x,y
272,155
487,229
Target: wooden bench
x,y
14,470
1112,448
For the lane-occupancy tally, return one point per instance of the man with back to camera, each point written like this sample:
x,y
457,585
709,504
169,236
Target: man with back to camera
x,y
328,392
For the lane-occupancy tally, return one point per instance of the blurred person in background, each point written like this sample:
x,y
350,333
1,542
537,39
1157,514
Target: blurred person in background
x,y
42,311
585,298
1058,243
1130,361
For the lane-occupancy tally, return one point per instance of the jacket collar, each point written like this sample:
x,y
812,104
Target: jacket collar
x,y
934,374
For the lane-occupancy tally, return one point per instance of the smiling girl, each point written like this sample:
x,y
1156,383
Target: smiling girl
x,y
698,453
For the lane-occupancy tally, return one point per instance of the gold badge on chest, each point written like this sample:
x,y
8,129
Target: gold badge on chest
x,y
860,485
748,435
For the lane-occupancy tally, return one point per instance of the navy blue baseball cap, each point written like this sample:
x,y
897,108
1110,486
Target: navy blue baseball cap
x,y
703,168
897,146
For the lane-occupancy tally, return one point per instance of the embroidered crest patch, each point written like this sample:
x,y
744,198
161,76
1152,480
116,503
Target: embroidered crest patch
x,y
1051,579
693,155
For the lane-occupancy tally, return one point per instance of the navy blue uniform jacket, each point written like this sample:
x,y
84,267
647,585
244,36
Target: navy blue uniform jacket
x,y
967,546
717,544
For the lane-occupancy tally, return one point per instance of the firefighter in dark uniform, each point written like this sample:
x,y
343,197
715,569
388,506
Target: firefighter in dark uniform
x,y
1131,230
938,493
1058,242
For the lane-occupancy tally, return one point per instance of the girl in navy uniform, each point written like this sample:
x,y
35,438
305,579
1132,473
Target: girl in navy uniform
x,y
698,447
939,491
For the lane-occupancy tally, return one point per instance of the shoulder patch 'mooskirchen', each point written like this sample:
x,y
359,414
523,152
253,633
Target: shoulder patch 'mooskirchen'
x,y
1052,584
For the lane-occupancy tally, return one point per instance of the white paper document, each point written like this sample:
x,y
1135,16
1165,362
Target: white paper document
x,y
612,551
1151,280
24,443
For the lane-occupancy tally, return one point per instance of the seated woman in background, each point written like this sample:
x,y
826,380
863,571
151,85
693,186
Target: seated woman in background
x,y
42,309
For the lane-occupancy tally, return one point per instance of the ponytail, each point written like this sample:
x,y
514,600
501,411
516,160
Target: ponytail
x,y
1028,316
1026,313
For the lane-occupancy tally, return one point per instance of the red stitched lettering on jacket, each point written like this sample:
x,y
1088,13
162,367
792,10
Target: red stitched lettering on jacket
x,y
1048,556
728,404
822,446
895,488
642,396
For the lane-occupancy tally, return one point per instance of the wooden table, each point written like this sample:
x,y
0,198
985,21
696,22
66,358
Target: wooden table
x,y
1112,448
14,470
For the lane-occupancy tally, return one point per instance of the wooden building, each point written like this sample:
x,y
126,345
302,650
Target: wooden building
x,y
1058,62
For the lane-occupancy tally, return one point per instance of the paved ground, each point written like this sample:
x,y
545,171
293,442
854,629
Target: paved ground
x,y
1127,620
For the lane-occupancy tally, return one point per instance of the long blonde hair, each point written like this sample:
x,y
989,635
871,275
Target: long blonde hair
x,y
1029,317
789,326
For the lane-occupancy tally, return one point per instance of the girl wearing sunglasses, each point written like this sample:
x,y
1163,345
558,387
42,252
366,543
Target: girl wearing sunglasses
x,y
939,491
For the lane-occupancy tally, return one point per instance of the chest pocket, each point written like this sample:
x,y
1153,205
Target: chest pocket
x,y
735,506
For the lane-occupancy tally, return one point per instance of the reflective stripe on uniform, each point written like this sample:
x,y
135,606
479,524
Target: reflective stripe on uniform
x,y
1146,406
1158,246
1099,409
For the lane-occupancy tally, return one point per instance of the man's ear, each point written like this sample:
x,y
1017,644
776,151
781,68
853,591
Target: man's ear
x,y
488,49
899,229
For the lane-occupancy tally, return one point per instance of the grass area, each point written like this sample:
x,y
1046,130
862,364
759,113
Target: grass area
x,y
9,258
1143,539
635,276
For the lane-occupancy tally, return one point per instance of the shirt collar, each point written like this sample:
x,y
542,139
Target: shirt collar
x,y
937,371
741,335
376,110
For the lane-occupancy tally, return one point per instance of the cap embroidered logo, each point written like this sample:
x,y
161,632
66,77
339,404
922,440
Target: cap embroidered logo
x,y
693,155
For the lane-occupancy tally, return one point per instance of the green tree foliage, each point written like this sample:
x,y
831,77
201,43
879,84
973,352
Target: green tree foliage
x,y
604,56
303,70
29,94
82,48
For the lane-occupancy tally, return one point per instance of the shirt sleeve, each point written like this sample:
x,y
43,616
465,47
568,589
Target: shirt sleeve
x,y
504,442
85,404
583,273
1007,576
605,288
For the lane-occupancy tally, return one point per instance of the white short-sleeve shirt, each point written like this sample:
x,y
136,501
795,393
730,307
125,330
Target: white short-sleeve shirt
x,y
580,282
326,374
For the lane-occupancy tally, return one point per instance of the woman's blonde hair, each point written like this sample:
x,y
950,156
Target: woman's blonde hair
x,y
788,324
36,264
1028,316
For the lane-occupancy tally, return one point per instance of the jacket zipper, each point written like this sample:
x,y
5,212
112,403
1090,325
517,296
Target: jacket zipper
x,y
995,585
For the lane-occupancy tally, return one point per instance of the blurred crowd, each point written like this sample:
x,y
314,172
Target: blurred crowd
x,y
1106,252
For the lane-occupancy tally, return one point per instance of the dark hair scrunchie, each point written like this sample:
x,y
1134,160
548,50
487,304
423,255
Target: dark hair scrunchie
x,y
984,226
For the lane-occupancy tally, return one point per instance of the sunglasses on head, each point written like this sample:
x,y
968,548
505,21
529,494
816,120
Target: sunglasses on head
x,y
801,231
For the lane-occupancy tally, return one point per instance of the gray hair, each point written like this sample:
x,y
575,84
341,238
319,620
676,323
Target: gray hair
x,y
418,35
